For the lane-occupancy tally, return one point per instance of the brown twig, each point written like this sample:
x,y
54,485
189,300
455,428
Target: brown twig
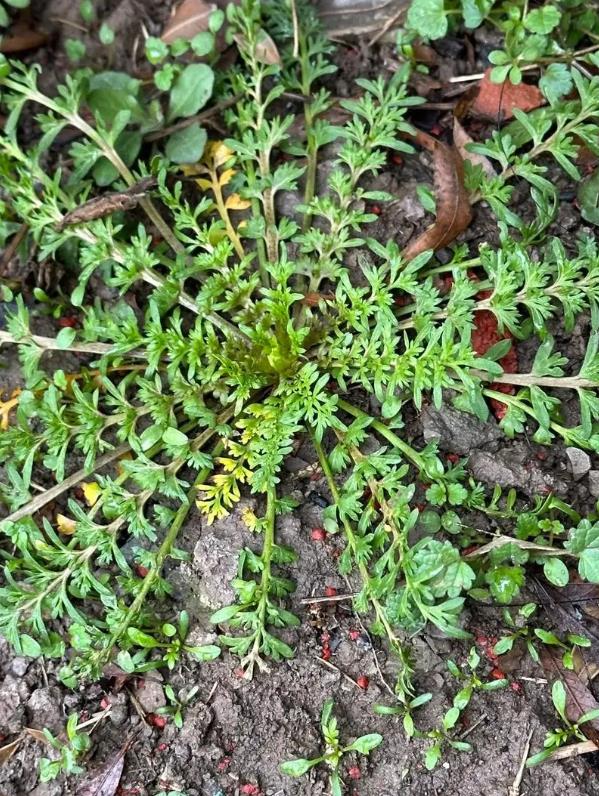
x,y
515,788
389,23
335,599
334,668
199,117
13,246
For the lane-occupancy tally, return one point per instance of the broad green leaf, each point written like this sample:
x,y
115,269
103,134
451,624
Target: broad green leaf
x,y
428,18
366,743
191,91
66,337
296,768
556,82
172,436
556,572
543,19
186,145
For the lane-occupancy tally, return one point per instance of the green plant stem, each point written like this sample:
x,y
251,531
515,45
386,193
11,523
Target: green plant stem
x,y
379,611
396,441
161,556
253,656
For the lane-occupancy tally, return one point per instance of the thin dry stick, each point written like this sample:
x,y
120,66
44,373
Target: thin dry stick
x,y
295,29
335,599
199,117
515,788
389,23
476,724
334,668
343,11
51,494
573,750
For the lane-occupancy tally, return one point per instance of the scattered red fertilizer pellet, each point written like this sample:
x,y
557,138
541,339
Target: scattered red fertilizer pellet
x,y
326,653
250,790
516,687
354,772
104,703
376,210
397,159
67,321
156,721
541,455
354,634
330,591
162,747
224,764
453,458
363,682
141,571
497,674
318,534
238,672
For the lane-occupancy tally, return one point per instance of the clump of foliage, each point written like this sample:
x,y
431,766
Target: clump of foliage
x,y
250,331
334,752
542,36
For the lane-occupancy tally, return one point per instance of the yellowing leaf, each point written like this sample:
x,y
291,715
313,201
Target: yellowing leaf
x,y
204,183
226,176
91,492
235,202
217,153
65,524
5,409
249,518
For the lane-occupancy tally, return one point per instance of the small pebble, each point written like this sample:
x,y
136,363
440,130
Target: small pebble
x,y
580,462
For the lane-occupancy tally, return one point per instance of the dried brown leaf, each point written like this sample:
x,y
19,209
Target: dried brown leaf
x,y
6,752
23,39
190,18
265,50
37,735
104,781
453,204
579,700
460,139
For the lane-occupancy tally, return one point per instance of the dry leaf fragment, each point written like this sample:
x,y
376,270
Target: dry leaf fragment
x,y
65,524
453,204
105,780
6,752
265,51
579,700
22,38
460,139
190,18
235,202
497,101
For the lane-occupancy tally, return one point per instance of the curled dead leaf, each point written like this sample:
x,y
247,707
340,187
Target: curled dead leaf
x,y
461,139
65,524
190,18
453,204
